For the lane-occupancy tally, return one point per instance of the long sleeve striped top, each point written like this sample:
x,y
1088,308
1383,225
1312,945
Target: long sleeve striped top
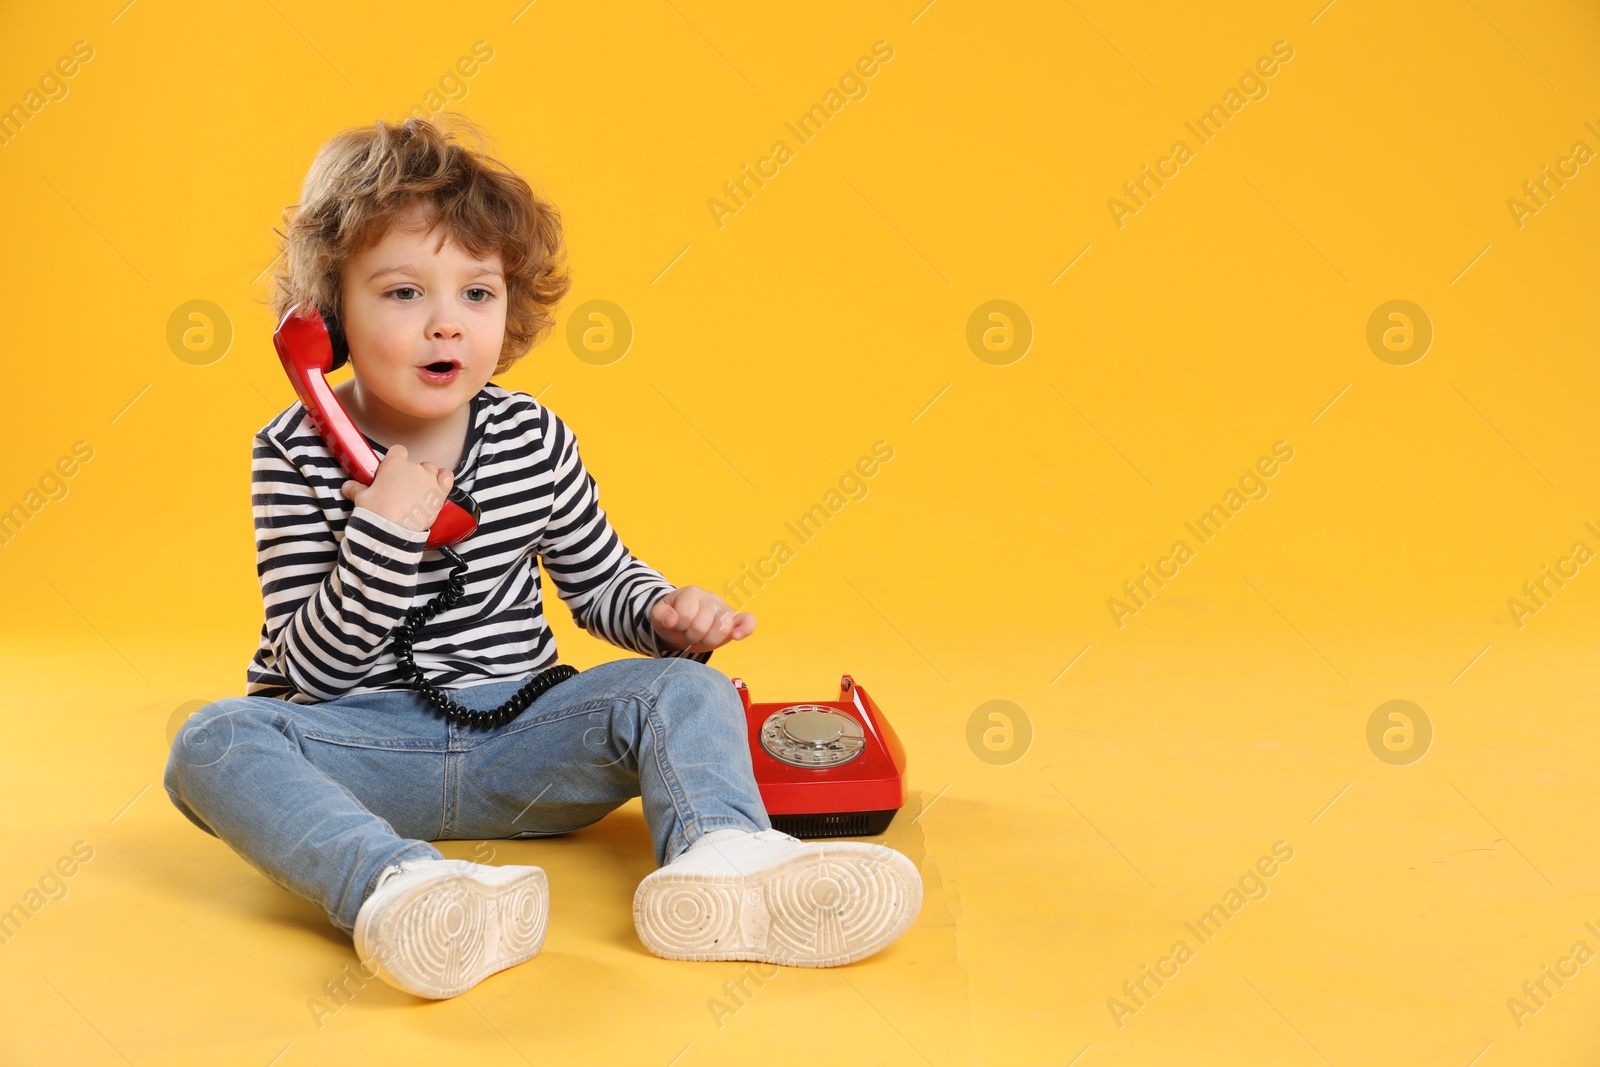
x,y
336,579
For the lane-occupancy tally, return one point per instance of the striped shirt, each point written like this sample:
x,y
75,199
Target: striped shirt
x,y
336,579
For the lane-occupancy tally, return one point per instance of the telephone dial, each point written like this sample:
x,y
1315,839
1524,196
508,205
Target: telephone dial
x,y
827,769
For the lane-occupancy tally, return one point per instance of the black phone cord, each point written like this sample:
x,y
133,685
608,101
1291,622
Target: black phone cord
x,y
405,637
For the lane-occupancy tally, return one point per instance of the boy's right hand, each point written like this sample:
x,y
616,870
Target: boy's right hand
x,y
407,494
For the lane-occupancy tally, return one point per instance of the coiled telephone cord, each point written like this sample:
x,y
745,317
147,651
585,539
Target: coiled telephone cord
x,y
405,637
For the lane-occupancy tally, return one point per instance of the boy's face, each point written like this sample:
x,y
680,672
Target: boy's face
x,y
424,326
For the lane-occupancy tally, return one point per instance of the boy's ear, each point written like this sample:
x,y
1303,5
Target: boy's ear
x,y
341,347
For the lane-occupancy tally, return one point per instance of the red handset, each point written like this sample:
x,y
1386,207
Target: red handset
x,y
310,345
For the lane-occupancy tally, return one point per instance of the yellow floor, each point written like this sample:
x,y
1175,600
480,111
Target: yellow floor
x,y
1417,900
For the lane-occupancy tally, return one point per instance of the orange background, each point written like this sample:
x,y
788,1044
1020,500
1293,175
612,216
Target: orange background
x,y
769,353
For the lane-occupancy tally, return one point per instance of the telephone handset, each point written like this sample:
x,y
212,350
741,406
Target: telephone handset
x,y
311,344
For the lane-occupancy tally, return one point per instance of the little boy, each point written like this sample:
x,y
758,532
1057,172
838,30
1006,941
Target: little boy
x,y
442,268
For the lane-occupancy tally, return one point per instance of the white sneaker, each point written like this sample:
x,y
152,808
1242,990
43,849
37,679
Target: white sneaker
x,y
436,928
770,897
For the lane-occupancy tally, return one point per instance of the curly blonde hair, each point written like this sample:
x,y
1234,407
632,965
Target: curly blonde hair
x,y
364,179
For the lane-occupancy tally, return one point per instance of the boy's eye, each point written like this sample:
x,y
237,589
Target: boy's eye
x,y
487,294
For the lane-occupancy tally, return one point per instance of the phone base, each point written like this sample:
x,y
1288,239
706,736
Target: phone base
x,y
834,823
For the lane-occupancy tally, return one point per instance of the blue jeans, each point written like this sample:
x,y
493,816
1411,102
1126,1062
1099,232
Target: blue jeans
x,y
320,798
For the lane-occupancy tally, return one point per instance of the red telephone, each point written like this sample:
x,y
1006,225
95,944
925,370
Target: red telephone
x,y
311,345
829,769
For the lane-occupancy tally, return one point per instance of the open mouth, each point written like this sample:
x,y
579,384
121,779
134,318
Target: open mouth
x,y
440,371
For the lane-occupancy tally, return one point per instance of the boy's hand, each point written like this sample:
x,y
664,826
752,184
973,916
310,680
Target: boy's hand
x,y
408,494
698,620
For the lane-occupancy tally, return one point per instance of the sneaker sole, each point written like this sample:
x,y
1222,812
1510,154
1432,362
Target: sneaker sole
x,y
440,937
838,905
